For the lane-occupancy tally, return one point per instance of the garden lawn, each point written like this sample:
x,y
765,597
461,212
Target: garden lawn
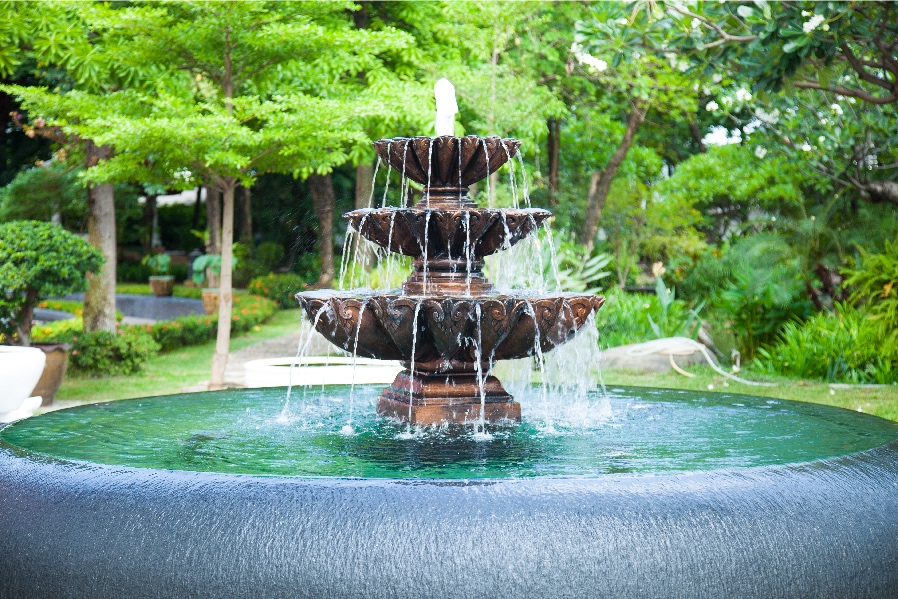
x,y
171,372
879,401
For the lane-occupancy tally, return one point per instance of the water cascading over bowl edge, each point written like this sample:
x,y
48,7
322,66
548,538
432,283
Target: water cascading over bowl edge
x,y
447,326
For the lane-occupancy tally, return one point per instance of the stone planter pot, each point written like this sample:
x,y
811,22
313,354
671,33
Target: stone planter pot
x,y
20,369
54,370
162,286
210,301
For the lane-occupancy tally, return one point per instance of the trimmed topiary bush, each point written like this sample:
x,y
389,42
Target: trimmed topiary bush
x,y
39,259
279,288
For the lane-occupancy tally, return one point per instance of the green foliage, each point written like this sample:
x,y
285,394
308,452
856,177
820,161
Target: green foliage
x,y
634,318
102,353
201,263
764,290
270,254
845,347
280,288
875,283
666,325
42,191
158,264
249,311
44,258
144,289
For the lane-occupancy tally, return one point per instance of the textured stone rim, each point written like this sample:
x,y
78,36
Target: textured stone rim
x,y
817,529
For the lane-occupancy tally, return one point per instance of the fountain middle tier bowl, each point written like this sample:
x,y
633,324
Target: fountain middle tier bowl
x,y
462,233
445,334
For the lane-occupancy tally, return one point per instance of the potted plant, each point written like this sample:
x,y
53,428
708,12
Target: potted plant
x,y
161,282
39,259
206,268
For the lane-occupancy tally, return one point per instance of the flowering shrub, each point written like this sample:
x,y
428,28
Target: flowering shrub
x,y
102,353
278,288
249,311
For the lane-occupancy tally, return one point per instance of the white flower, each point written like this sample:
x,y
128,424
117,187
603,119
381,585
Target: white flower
x,y
836,108
813,23
852,100
806,147
623,21
716,78
594,64
821,139
727,101
825,27
706,90
760,151
743,95
711,106
696,24
824,122
695,87
683,66
805,13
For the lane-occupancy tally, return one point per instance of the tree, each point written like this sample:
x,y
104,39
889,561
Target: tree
x,y
243,88
607,47
38,259
66,36
841,49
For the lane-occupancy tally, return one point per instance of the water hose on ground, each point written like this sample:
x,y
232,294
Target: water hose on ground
x,y
683,346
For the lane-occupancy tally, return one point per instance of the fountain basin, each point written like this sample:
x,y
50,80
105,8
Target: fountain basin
x,y
815,528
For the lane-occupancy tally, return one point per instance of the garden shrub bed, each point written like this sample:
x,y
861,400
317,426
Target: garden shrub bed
x,y
126,351
280,288
249,311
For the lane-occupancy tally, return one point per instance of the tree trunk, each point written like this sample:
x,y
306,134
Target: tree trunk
x,y
601,181
213,216
149,222
26,319
364,186
195,222
325,200
696,133
246,208
99,301
554,144
225,293
881,191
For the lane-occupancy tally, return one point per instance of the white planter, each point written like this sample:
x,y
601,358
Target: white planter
x,y
20,370
319,370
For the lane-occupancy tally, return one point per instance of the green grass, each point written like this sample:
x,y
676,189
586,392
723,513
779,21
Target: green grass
x,y
171,372
879,401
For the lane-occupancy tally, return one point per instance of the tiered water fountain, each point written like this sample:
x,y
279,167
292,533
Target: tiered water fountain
x,y
447,324
633,493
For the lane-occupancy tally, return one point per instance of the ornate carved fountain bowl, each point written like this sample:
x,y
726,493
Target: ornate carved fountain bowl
x,y
447,162
473,232
443,334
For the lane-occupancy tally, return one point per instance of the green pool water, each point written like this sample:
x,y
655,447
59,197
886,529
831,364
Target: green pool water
x,y
632,430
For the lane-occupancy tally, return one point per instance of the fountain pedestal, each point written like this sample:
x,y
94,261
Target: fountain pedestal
x,y
433,398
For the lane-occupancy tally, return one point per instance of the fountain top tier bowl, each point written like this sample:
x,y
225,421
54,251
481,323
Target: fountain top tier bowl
x,y
446,165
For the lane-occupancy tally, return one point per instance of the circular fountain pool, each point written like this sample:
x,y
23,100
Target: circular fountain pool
x,y
646,493
633,430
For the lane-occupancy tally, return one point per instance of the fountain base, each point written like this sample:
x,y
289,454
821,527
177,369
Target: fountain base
x,y
430,398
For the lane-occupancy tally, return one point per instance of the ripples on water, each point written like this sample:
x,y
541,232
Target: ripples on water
x,y
629,431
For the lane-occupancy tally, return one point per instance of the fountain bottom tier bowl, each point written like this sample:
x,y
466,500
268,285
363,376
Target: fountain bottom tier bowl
x,y
644,493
